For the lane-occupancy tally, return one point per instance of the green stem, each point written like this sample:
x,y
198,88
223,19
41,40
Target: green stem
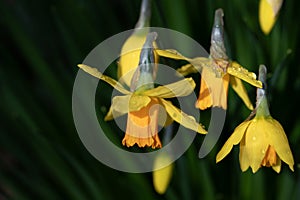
x,y
262,107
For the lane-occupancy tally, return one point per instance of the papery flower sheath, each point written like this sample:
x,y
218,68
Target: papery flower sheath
x,y
262,139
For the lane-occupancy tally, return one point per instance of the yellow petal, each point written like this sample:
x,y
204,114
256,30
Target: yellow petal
x,y
195,66
213,91
171,53
256,143
204,100
187,69
277,167
268,10
182,118
238,71
234,139
244,161
137,102
162,177
119,107
178,89
239,88
94,72
280,142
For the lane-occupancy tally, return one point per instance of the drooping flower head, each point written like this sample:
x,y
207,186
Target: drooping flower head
x,y
262,139
217,71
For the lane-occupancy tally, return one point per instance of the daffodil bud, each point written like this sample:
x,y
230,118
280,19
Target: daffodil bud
x,y
268,12
162,177
130,53
217,48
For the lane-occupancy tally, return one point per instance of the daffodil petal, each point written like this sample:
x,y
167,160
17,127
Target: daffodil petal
x,y
171,53
182,118
280,142
137,102
187,69
119,107
277,167
94,72
234,139
195,66
256,146
178,89
238,71
243,157
238,87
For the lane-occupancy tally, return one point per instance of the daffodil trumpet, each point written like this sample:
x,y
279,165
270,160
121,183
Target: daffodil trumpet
x,y
262,139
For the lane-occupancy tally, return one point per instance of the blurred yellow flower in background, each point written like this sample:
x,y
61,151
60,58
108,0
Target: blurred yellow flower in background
x,y
268,12
262,139
162,176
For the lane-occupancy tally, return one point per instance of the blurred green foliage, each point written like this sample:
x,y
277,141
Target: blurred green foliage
x,y
41,155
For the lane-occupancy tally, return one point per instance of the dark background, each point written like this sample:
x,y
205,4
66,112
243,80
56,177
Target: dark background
x,y
41,155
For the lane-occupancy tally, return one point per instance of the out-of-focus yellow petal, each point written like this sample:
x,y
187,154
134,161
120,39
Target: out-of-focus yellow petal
x,y
171,53
182,118
234,139
279,141
238,71
162,177
180,88
94,72
255,143
130,54
268,11
239,88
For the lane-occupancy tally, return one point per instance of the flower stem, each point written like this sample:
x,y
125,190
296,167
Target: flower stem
x,y
145,14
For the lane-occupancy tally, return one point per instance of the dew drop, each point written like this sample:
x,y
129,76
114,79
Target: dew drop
x,y
253,138
263,151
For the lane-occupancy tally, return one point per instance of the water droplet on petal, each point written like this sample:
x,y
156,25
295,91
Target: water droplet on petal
x,y
253,138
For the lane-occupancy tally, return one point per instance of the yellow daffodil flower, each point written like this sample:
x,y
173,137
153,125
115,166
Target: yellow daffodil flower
x,y
142,117
162,177
217,71
130,53
268,12
262,139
